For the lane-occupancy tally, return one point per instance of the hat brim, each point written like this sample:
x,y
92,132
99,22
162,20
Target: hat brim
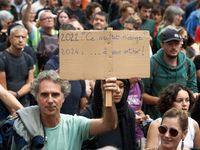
x,y
171,39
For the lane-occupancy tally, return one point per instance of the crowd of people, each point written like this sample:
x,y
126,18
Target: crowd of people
x,y
38,110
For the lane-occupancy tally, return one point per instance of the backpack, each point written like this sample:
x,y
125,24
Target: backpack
x,y
6,140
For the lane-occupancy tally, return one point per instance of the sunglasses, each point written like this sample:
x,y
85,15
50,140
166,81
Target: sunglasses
x,y
173,132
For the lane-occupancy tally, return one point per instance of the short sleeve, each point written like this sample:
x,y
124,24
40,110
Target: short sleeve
x,y
2,65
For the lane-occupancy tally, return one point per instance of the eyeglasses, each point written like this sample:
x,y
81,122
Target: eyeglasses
x,y
173,132
47,18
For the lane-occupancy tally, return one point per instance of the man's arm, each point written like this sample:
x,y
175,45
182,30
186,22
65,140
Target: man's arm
x,y
26,88
4,84
9,99
25,17
150,100
192,78
109,120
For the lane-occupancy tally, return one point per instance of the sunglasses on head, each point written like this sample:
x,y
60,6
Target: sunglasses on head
x,y
173,132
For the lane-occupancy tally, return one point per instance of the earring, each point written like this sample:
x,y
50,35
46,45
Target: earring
x,y
182,144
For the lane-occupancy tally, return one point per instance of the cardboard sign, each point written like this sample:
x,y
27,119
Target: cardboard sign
x,y
103,54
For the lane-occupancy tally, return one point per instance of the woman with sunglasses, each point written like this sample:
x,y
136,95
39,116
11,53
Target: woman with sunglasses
x,y
173,129
179,96
123,137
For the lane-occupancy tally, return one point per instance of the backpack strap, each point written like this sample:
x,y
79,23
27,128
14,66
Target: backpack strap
x,y
115,23
155,68
3,56
89,108
141,84
186,67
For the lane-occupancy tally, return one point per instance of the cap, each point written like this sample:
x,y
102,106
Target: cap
x,y
170,35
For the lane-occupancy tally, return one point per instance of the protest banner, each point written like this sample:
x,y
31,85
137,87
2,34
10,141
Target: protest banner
x,y
103,54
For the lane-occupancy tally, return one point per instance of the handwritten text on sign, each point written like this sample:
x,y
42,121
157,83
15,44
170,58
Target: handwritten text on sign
x,y
102,54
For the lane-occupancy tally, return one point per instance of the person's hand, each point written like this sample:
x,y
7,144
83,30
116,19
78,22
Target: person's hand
x,y
88,91
196,96
195,47
29,2
139,116
58,71
138,119
109,85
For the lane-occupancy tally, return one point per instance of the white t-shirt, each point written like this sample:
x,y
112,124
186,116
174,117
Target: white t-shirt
x,y
18,7
37,5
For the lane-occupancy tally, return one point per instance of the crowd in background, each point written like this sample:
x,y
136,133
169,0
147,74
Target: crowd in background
x,y
29,44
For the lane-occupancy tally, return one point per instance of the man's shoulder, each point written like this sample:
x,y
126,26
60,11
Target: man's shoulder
x,y
26,55
4,55
189,61
149,21
68,9
74,118
191,5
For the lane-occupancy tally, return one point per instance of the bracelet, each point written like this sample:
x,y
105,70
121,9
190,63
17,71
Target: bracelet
x,y
18,96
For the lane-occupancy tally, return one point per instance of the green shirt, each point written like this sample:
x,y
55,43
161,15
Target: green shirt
x,y
69,134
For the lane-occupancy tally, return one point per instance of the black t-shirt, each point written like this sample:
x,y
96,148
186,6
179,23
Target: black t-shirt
x,y
78,14
89,26
17,70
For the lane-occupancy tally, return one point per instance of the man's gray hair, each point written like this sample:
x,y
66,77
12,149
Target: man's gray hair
x,y
4,15
49,75
43,11
18,27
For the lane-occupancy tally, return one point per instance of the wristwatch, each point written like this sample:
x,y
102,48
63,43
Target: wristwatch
x,y
18,96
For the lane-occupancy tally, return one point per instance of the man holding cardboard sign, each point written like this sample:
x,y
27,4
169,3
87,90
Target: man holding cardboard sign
x,y
58,131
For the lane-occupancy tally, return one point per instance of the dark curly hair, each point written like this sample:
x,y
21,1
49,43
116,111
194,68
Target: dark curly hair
x,y
169,94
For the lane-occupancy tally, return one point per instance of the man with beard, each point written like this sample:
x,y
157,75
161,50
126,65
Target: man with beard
x,y
168,66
